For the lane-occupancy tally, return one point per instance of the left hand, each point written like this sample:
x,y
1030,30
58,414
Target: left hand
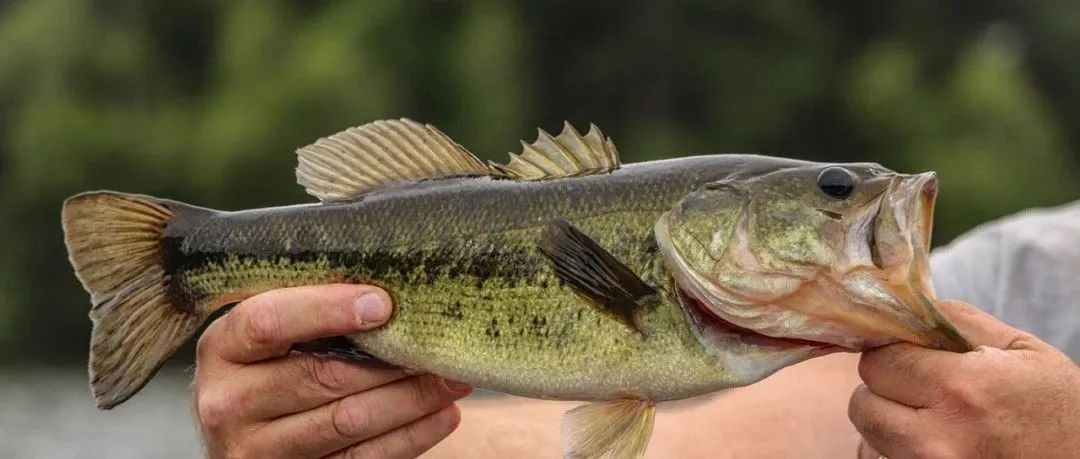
x,y
254,397
1013,396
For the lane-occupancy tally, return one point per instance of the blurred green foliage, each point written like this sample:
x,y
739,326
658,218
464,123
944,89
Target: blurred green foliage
x,y
205,101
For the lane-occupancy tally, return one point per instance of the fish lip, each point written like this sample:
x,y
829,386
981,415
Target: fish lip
x,y
871,234
928,191
912,202
914,197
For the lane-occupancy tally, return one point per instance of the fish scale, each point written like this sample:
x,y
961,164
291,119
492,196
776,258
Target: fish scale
x,y
484,263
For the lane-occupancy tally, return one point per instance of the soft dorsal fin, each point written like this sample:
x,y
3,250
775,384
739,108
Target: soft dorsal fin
x,y
596,274
568,155
348,164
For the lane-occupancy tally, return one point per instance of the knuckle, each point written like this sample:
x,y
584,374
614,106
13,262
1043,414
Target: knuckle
x,y
260,325
215,408
960,392
350,420
856,407
327,374
853,410
870,423
1021,340
866,364
206,346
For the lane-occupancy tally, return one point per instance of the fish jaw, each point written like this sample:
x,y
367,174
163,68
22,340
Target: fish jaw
x,y
901,291
846,306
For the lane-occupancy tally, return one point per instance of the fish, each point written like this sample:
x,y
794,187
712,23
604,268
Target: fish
x,y
562,274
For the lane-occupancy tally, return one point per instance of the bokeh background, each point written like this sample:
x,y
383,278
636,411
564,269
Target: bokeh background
x,y
206,101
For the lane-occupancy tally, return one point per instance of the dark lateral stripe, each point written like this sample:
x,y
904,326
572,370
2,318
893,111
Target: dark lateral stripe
x,y
428,266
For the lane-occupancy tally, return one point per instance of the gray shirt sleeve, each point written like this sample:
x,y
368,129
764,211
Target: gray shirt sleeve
x,y
1023,269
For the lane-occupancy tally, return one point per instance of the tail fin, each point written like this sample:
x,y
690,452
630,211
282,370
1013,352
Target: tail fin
x,y
114,242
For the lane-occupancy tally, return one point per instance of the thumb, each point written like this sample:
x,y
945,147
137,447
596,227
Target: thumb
x,y
977,326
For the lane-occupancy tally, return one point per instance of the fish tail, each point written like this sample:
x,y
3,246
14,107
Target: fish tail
x,y
115,243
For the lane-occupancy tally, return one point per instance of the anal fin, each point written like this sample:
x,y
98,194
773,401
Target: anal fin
x,y
616,429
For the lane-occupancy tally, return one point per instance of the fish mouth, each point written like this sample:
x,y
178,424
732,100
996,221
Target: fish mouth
x,y
708,321
902,233
746,355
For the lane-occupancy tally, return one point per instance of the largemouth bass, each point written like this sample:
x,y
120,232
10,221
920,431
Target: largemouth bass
x,y
560,275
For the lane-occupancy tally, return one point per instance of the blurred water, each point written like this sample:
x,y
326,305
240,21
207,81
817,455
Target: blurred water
x,y
48,413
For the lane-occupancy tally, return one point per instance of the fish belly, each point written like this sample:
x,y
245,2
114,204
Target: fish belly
x,y
540,341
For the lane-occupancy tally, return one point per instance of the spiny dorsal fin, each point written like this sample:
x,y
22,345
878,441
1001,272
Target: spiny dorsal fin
x,y
595,273
615,429
348,164
568,155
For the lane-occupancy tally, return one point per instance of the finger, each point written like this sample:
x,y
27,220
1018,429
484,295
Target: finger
x,y
409,441
359,417
885,425
980,328
300,382
906,373
267,325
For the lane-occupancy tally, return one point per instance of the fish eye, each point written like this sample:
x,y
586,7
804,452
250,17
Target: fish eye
x,y
836,182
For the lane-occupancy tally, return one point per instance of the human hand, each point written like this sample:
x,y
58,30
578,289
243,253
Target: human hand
x,y
255,398
1013,396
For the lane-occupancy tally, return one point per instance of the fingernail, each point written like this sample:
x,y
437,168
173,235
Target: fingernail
x,y
457,386
371,308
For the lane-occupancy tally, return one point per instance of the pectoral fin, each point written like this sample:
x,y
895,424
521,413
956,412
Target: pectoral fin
x,y
596,274
340,347
616,429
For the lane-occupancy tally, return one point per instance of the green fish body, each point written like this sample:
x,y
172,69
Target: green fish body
x,y
475,299
560,275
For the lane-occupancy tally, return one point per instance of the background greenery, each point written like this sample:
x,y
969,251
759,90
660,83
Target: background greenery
x,y
205,101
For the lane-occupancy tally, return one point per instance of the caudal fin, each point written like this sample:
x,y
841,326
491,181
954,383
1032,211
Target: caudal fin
x,y
114,242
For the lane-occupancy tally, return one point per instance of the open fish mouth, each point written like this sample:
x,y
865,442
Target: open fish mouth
x,y
747,355
707,321
877,293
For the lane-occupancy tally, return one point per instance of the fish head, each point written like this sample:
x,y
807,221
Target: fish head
x,y
821,257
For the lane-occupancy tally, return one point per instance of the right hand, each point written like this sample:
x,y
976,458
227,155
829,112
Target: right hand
x,y
255,398
1013,396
